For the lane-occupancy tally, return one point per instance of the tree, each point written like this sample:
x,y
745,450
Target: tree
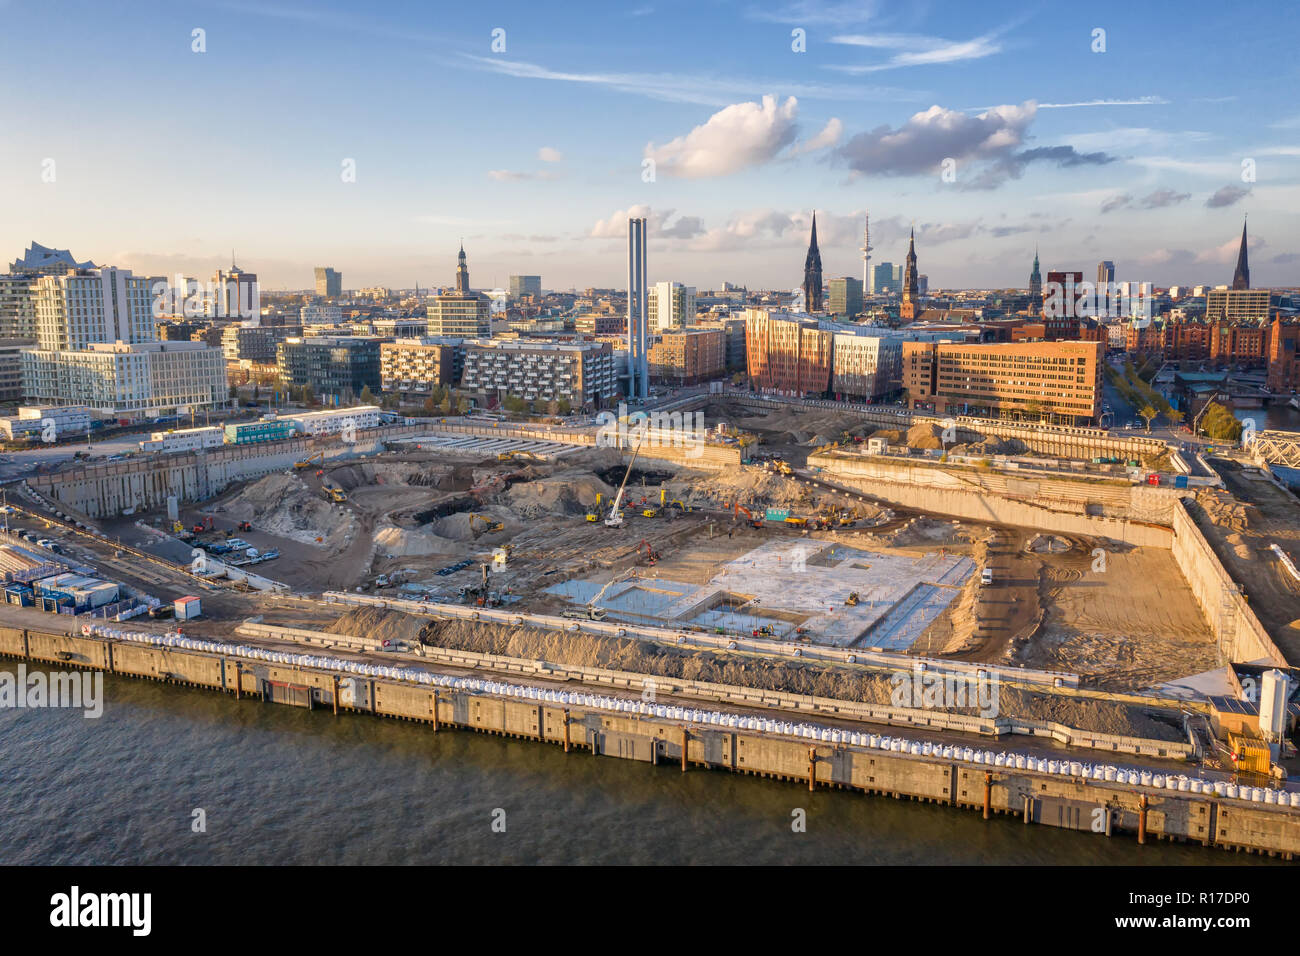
x,y
565,406
1034,409
1174,416
257,392
1148,413
234,392
367,396
430,404
464,405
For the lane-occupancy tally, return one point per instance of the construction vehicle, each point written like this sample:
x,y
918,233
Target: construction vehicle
x,y
489,525
307,462
784,469
739,509
651,555
852,599
594,513
197,529
337,495
650,512
764,631
796,521
615,519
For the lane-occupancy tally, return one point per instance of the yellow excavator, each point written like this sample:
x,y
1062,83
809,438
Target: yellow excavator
x,y
489,525
307,462
594,514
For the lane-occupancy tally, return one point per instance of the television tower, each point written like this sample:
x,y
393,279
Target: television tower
x,y
866,252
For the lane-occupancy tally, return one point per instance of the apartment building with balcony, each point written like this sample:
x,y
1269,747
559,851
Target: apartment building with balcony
x,y
581,373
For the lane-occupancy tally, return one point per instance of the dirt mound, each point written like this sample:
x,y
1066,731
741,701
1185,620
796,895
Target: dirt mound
x,y
282,504
396,542
1049,544
750,486
925,436
568,493
379,624
590,650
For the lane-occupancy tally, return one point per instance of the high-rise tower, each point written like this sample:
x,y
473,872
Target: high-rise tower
x,y
1241,278
911,293
812,273
866,250
638,363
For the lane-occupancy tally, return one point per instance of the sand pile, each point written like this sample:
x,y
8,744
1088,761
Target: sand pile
x,y
394,542
924,436
379,624
421,474
1224,510
1048,544
1239,547
282,504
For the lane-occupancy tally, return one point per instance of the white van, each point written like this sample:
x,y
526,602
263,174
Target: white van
x,y
986,577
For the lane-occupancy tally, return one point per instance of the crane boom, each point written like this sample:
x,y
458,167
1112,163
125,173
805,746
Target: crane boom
x,y
615,516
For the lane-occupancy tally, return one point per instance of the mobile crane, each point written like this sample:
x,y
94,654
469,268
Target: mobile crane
x,y
615,519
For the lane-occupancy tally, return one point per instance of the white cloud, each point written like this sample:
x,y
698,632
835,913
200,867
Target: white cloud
x,y
549,154
660,224
518,176
829,136
734,138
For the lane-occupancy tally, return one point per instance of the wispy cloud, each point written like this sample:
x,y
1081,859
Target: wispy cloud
x,y
816,13
699,89
916,50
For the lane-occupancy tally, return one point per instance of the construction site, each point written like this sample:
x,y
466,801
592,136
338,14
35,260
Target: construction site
x,y
811,551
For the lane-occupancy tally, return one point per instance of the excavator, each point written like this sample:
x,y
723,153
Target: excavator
x,y
615,519
739,509
651,555
488,524
307,462
594,513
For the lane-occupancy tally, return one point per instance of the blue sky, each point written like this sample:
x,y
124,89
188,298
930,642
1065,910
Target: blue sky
x,y
165,159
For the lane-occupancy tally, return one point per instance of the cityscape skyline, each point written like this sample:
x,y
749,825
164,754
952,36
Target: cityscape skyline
x,y
1085,155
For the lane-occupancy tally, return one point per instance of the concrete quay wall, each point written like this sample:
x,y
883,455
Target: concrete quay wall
x,y
1069,802
1239,632
916,488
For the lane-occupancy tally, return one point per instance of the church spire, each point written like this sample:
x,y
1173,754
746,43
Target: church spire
x,y
462,272
812,272
1241,278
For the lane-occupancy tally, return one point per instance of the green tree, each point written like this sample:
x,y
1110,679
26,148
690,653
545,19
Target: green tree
x,y
464,405
1148,413
564,406
367,396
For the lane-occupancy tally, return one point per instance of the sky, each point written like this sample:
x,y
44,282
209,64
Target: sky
x,y
374,138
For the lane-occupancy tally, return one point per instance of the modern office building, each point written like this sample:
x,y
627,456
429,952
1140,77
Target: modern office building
x,y
255,343
320,315
462,313
885,278
1105,274
413,368
128,380
600,323
787,353
670,305
96,344
734,329
329,284
688,356
581,373
336,368
1238,305
521,286
638,315
42,260
11,368
845,297
1056,381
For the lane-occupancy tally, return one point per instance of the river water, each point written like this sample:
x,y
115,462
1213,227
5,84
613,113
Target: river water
x,y
282,785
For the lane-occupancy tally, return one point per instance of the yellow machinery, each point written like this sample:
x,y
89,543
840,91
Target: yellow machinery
x,y
852,599
489,525
307,462
784,469
650,512
594,514
336,494
797,522
1250,754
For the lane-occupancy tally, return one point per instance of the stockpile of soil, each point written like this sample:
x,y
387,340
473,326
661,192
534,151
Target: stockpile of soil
x,y
748,485
282,504
924,437
394,542
791,677
567,493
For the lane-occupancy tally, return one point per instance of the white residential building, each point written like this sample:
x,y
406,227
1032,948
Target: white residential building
x,y
185,439
32,420
670,305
